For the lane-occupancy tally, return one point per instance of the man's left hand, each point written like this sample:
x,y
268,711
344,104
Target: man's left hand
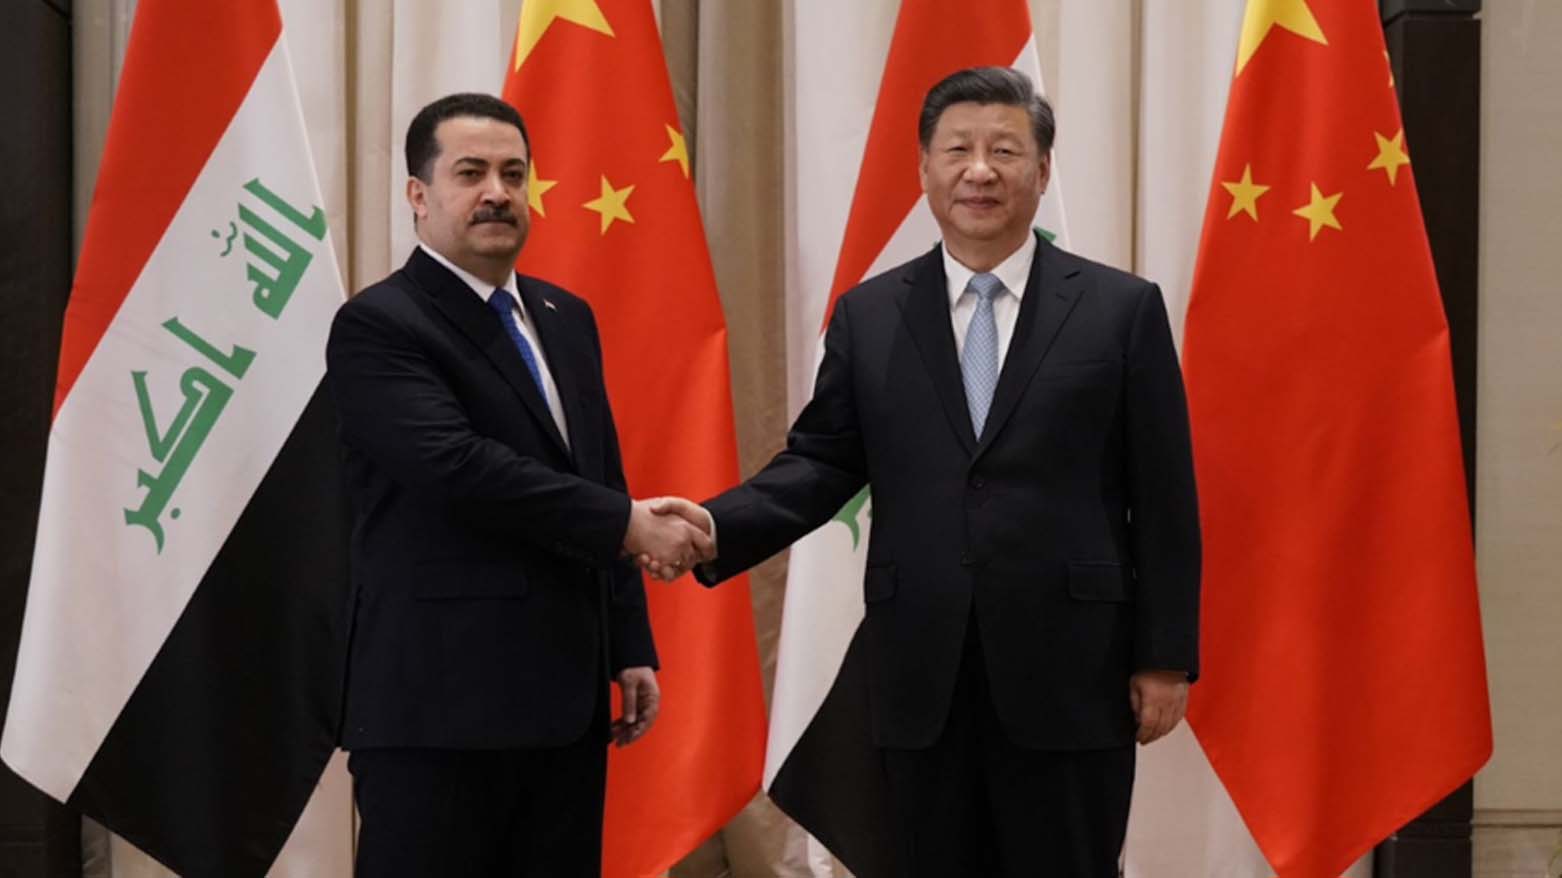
x,y
1159,700
642,701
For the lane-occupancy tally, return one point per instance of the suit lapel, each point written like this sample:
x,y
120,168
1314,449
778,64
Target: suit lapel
x,y
1050,295
566,362
477,321
924,305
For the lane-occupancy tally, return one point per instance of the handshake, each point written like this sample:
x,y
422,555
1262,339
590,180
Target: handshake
x,y
667,536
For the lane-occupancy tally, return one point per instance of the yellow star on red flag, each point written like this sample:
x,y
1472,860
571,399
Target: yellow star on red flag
x,y
678,151
1391,154
612,204
536,187
1263,16
1244,194
539,15
1319,212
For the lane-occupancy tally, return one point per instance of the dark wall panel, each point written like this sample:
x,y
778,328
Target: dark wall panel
x,y
37,838
1435,51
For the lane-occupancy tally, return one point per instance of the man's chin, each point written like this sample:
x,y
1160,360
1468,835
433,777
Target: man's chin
x,y
985,231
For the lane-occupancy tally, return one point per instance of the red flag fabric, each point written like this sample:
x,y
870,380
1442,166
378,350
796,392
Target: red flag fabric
x,y
614,219
1344,687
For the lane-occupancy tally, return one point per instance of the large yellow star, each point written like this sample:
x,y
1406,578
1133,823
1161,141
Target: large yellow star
x,y
1319,212
678,151
1263,15
536,187
1244,194
613,204
538,15
1391,154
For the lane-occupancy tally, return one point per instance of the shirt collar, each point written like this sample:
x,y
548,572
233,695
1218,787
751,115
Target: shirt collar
x,y
1013,271
481,288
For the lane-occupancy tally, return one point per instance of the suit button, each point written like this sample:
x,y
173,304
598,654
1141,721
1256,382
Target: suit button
x,y
966,560
978,483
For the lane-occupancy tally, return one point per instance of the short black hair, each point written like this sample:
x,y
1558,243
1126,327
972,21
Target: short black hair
x,y
423,146
988,85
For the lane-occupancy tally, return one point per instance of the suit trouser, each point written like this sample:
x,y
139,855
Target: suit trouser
x,y
975,805
534,813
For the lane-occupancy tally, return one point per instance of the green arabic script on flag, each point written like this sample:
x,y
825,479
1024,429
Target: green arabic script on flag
x,y
205,394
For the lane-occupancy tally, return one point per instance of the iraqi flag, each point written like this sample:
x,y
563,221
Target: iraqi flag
x,y
179,671
615,220
1344,684
821,767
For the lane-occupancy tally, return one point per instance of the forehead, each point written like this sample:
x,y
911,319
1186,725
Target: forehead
x,y
969,118
479,137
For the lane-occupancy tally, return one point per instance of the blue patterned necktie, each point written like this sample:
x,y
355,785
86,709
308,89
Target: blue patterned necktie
x,y
504,305
979,359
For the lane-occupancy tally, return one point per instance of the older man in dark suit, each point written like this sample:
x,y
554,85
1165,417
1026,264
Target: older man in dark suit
x,y
1033,569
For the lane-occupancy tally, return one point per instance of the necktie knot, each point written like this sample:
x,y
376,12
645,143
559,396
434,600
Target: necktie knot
x,y
985,285
500,301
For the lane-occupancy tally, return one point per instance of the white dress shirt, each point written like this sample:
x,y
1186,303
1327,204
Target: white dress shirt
x,y
482,290
1013,272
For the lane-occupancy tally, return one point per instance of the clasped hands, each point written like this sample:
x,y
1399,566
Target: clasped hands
x,y
667,536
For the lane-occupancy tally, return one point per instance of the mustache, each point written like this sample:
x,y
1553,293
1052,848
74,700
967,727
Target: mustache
x,y
493,215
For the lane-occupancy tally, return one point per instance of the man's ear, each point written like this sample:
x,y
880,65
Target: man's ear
x,y
1045,175
922,170
417,196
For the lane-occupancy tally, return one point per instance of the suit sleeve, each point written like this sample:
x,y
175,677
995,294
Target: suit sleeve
x,y
396,409
822,467
630,643
1163,501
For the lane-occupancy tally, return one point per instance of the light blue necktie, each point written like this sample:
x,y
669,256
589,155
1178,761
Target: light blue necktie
x,y
504,305
979,359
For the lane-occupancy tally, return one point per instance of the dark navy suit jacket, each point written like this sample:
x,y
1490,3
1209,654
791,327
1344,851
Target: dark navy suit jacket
x,y
1068,530
490,602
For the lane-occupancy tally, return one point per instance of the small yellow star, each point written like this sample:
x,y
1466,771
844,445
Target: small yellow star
x,y
539,15
1391,154
536,187
678,151
613,204
1244,194
1319,212
1263,16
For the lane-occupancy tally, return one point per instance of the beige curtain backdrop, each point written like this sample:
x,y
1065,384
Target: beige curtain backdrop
x,y
1140,89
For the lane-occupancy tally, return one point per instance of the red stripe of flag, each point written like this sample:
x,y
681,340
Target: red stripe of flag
x,y
187,69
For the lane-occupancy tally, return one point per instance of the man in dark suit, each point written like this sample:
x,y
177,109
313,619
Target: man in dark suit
x,y
492,599
1033,568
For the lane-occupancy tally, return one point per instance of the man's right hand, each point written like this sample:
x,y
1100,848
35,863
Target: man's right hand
x,y
666,545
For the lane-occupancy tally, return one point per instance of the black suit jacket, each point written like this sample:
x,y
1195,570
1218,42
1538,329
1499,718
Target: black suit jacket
x,y
490,601
1068,529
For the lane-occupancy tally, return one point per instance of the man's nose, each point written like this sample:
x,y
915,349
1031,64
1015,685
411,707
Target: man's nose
x,y
494,191
979,170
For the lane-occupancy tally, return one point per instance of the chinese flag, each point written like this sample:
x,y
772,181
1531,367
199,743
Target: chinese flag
x,y
614,219
1344,688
